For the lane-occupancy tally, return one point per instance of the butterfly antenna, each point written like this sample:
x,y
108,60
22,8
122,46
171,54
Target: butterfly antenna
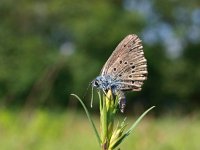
x,y
85,93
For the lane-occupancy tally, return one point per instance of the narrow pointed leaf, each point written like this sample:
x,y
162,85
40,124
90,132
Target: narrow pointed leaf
x,y
131,128
89,118
138,120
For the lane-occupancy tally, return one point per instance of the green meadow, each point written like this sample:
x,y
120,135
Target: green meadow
x,y
70,130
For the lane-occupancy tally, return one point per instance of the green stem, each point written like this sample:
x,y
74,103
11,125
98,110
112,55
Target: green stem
x,y
104,124
107,120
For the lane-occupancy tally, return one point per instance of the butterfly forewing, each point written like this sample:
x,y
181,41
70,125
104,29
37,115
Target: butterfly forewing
x,y
127,64
119,50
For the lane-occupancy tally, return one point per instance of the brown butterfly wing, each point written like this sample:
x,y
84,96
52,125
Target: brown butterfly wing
x,y
128,64
119,50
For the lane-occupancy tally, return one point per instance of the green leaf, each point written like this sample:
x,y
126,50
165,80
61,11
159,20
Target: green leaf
x,y
89,118
114,141
138,120
104,121
100,101
131,128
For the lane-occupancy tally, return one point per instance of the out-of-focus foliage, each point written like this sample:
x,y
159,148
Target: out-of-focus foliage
x,y
45,130
49,49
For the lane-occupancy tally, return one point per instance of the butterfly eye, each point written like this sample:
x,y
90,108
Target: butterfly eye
x,y
96,83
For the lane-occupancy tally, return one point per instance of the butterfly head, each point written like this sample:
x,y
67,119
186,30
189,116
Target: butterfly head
x,y
97,82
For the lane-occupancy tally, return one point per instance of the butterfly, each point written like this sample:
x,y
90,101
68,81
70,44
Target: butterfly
x,y
125,70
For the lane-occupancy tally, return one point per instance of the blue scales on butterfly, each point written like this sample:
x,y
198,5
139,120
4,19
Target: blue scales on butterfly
x,y
106,83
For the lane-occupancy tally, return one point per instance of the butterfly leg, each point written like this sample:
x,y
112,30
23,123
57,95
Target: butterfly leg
x,y
122,100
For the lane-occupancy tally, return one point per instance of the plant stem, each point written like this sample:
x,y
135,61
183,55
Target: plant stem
x,y
107,119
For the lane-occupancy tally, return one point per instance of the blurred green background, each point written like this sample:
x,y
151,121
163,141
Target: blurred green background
x,y
49,49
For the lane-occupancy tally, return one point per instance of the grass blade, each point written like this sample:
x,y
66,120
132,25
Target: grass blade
x,y
131,128
138,120
89,118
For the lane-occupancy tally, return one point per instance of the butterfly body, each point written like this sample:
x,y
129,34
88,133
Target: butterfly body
x,y
125,70
107,82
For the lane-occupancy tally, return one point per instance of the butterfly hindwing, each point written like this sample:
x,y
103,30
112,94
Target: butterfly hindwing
x,y
128,64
